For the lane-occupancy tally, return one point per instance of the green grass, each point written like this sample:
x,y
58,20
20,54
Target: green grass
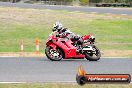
x,y
28,24
62,85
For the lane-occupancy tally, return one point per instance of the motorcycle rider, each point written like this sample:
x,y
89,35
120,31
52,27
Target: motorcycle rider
x,y
65,32
58,28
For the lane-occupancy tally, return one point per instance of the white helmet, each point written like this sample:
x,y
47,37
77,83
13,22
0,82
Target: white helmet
x,y
58,26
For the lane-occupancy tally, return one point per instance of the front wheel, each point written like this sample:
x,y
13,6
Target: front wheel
x,y
53,55
93,56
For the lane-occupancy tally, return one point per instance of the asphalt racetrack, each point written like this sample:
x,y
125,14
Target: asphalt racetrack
x,y
21,69
100,10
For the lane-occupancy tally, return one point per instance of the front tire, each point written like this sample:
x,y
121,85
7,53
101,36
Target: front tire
x,y
53,55
90,56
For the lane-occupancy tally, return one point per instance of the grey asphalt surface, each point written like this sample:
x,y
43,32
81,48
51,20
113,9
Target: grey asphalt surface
x,y
82,9
20,69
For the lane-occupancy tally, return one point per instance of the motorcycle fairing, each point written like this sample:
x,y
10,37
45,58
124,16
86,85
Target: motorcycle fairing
x,y
67,47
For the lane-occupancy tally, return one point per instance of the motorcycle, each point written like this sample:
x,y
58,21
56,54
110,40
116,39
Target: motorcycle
x,y
58,48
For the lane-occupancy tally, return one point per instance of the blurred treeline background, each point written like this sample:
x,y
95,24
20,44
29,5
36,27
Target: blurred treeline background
x,y
75,2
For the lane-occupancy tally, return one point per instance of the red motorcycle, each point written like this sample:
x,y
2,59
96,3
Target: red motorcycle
x,y
58,48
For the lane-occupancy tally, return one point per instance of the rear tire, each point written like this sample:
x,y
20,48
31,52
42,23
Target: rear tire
x,y
52,57
89,56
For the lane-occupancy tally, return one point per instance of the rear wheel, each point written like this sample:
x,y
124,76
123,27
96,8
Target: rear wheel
x,y
93,56
54,55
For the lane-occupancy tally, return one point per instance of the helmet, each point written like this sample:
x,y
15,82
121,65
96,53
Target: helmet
x,y
58,26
